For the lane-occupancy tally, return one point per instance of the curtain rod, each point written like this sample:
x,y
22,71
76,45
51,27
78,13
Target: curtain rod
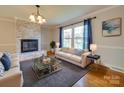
x,y
79,22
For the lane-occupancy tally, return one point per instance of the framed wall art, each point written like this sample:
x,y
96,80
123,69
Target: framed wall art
x,y
111,27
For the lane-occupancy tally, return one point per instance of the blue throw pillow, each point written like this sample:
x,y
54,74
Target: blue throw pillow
x,y
6,62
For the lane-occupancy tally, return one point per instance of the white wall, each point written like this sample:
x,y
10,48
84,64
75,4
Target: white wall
x,y
55,32
111,49
46,37
7,35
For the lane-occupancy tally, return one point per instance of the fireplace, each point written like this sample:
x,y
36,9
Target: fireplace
x,y
29,45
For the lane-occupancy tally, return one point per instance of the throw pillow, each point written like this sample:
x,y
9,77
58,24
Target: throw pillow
x,y
71,50
78,52
1,69
65,50
6,62
9,55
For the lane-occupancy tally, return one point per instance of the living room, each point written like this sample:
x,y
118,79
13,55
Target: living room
x,y
86,51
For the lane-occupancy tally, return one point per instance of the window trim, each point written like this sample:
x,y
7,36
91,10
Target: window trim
x,y
73,38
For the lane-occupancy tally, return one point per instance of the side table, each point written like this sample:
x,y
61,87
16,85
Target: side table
x,y
50,53
94,58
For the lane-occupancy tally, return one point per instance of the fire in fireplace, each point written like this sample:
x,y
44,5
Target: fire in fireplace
x,y
29,45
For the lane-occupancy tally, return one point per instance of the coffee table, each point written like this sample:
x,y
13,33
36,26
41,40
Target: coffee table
x,y
43,69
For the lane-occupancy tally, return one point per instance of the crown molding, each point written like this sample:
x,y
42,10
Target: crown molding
x,y
101,10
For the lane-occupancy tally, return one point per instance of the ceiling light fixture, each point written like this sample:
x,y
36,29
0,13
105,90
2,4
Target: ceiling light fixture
x,y
37,18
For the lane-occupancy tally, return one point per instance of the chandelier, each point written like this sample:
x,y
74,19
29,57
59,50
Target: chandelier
x,y
37,18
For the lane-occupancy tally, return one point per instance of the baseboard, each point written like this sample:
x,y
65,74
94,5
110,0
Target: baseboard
x,y
115,68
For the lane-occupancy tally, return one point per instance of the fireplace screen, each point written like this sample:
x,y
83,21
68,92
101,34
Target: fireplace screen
x,y
29,45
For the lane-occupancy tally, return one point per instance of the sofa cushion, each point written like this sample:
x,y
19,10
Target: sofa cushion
x,y
10,72
64,50
73,51
15,60
63,54
78,52
69,56
6,62
76,58
68,50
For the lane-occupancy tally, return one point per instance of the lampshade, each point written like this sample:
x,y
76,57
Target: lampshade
x,y
93,47
57,44
32,18
44,52
39,17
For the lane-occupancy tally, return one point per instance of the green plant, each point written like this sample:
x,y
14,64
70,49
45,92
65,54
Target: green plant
x,y
52,44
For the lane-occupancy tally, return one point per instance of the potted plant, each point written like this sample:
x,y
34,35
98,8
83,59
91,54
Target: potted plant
x,y
52,45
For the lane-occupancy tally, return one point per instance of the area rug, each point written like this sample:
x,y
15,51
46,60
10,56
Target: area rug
x,y
66,77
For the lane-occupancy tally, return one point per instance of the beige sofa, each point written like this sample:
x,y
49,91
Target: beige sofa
x,y
13,77
73,56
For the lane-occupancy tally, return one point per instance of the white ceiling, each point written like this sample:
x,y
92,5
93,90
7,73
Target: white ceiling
x,y
55,14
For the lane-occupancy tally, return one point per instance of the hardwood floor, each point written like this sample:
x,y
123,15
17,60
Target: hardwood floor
x,y
101,76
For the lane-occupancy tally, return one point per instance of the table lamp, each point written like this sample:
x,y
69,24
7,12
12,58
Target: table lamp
x,y
93,48
57,44
44,52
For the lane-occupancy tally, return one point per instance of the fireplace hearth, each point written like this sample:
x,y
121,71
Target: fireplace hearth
x,y
29,45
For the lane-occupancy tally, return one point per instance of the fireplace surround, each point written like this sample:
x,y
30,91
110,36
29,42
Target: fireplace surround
x,y
29,45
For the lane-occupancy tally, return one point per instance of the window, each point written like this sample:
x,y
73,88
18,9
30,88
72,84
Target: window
x,y
67,38
78,37
73,36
